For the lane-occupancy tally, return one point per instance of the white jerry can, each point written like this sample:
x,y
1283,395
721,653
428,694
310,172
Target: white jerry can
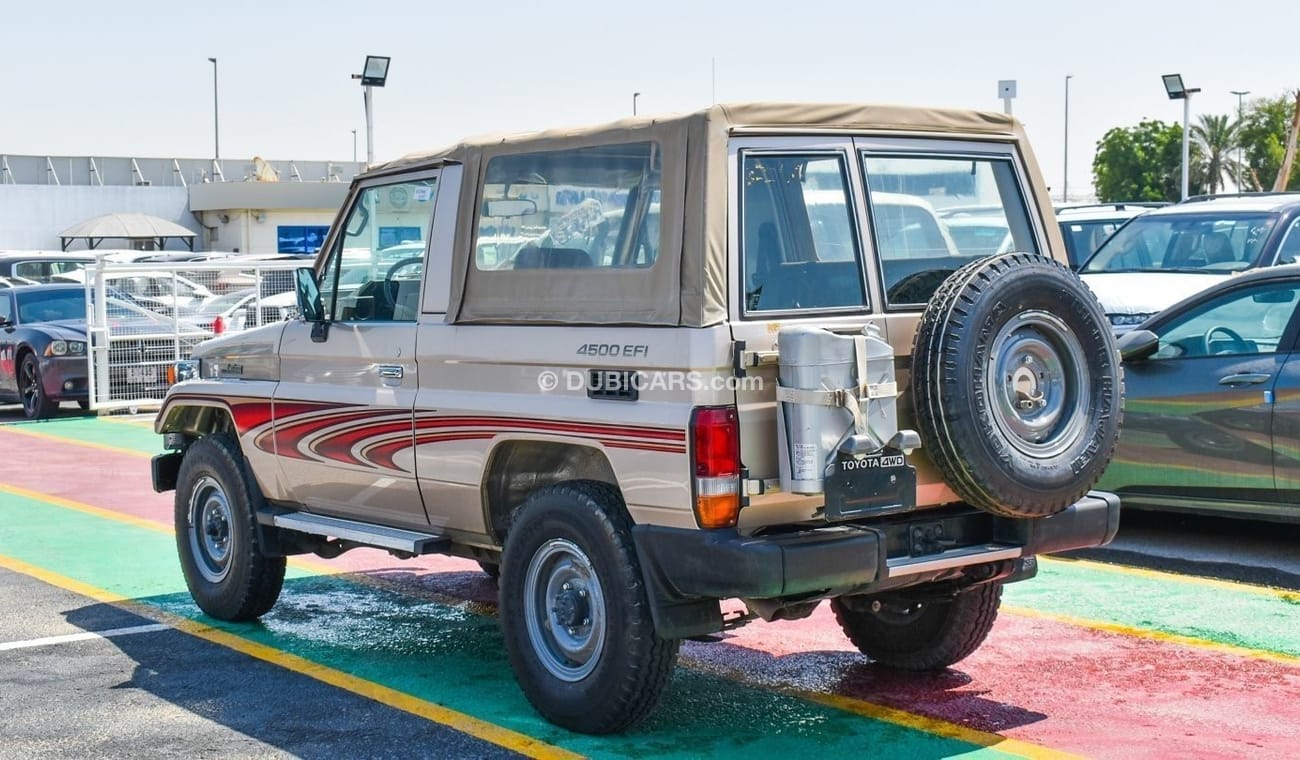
x,y
836,394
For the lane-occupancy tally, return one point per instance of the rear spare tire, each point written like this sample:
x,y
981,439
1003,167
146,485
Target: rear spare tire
x,y
1017,385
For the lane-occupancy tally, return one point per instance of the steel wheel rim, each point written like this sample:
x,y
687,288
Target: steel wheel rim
x,y
1037,397
31,385
210,529
564,610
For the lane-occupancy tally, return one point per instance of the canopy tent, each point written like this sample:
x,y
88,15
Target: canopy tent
x,y
126,227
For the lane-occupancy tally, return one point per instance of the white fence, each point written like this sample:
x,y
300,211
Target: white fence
x,y
144,317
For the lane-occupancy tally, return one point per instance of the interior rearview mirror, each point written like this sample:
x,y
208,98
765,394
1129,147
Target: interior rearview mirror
x,y
506,207
1274,296
1137,345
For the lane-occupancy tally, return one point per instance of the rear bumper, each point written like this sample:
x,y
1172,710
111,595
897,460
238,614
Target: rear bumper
x,y
686,571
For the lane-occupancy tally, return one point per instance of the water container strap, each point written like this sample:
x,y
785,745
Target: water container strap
x,y
815,398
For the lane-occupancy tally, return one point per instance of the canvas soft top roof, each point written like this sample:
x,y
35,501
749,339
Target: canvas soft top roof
x,y
687,284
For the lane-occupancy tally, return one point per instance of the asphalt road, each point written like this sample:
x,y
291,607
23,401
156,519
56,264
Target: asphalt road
x,y
163,693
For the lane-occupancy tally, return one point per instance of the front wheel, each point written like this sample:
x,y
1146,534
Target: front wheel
x,y
226,570
36,404
575,613
920,633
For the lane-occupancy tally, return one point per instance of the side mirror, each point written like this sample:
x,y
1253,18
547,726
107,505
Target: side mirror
x,y
1137,345
309,303
6,322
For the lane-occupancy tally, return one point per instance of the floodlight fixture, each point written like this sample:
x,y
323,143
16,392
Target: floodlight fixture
x,y
375,72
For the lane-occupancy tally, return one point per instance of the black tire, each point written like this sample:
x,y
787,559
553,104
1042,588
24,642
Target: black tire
x,y
491,569
1004,331
591,661
921,634
36,405
228,574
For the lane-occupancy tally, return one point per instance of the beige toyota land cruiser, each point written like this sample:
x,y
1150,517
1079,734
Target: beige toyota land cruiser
x,y
644,367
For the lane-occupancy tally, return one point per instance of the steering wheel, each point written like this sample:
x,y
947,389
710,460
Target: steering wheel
x,y
1235,343
389,290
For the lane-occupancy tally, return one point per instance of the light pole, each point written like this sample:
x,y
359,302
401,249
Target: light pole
x,y
635,95
1241,156
216,121
373,74
1176,90
1065,178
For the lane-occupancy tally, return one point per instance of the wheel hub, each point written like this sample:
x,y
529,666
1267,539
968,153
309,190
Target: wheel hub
x,y
571,608
564,610
210,529
1038,397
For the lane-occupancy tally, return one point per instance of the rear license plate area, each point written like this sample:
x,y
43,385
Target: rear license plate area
x,y
877,484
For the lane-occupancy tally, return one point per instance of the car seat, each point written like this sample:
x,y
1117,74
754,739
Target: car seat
x,y
1217,248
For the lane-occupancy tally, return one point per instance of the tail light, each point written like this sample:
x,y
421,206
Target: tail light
x,y
218,325
715,443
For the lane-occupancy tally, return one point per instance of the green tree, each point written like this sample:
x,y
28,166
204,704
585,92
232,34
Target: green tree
x,y
1262,135
1216,136
1142,163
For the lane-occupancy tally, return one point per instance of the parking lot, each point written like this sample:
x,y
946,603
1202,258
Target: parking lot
x,y
1169,641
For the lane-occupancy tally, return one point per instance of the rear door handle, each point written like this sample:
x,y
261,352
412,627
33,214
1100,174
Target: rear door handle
x,y
1244,378
390,371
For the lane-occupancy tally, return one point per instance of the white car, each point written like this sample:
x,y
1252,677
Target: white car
x,y
1085,228
163,292
1168,254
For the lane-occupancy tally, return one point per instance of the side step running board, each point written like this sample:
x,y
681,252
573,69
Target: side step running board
x,y
380,536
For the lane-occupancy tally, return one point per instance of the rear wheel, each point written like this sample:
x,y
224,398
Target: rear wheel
x,y
36,405
575,613
919,633
226,570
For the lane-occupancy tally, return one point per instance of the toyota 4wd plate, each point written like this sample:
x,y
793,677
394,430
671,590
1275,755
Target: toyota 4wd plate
x,y
874,484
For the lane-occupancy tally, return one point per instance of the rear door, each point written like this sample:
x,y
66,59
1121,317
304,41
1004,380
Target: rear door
x,y
343,410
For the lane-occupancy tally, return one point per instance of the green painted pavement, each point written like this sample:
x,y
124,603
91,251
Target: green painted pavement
x,y
445,654
1246,618
122,435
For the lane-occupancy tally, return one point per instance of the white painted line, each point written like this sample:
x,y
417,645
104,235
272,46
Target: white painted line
x,y
112,633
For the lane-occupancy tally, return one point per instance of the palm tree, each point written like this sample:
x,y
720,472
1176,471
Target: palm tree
x,y
1217,138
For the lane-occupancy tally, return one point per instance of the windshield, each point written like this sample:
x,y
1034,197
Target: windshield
x,y
1184,243
1082,239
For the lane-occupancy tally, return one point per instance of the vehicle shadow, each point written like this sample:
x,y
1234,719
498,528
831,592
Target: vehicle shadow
x,y
864,686
1225,548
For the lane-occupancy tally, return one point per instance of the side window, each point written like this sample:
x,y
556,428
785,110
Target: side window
x,y
1245,321
931,215
571,209
374,269
799,244
6,309
33,270
1288,251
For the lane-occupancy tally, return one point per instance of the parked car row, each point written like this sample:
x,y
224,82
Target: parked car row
x,y
44,342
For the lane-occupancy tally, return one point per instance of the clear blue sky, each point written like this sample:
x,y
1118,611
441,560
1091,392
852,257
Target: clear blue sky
x,y
132,77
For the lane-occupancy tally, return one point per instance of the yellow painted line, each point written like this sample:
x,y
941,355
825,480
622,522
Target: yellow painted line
x,y
935,726
77,506
21,430
1160,636
466,724
1165,576
132,421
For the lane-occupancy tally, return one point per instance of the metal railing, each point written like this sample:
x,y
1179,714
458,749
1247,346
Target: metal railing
x,y
144,317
